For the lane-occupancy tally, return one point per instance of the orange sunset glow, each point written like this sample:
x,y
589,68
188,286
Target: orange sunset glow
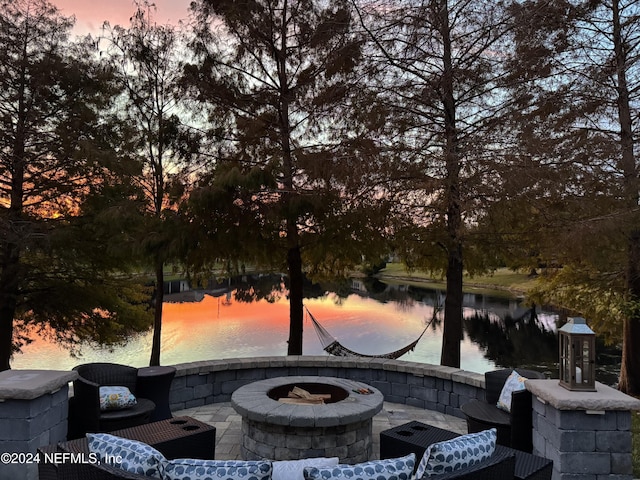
x,y
222,327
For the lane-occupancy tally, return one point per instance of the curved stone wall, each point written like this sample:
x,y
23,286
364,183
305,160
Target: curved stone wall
x,y
432,387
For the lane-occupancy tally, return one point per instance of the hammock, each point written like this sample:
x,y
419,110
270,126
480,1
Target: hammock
x,y
332,346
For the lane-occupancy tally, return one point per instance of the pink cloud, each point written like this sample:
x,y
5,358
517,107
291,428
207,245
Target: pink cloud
x,y
91,15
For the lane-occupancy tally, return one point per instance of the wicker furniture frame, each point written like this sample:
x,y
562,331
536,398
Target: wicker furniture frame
x,y
180,437
514,428
84,407
416,437
154,383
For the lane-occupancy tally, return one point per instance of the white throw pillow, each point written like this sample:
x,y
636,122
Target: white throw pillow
x,y
514,383
294,469
457,453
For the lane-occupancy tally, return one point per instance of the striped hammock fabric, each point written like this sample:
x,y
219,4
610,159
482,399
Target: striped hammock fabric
x,y
332,346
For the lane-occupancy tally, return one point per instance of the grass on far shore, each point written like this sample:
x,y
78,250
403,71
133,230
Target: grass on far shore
x,y
501,279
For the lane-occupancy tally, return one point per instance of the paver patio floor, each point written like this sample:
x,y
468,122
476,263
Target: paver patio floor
x,y
228,424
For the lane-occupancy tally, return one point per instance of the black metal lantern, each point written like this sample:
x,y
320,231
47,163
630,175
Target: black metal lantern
x,y
577,356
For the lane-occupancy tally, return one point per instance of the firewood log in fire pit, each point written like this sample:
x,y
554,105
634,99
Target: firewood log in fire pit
x,y
300,396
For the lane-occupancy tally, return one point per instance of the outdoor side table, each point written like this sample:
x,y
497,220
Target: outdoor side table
x,y
415,437
180,437
412,437
154,383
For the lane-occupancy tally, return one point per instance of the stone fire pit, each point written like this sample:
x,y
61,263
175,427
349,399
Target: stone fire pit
x,y
280,431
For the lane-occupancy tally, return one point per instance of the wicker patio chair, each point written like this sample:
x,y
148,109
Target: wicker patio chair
x,y
84,407
515,427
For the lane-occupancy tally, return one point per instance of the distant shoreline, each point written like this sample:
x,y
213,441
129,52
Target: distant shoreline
x,y
503,280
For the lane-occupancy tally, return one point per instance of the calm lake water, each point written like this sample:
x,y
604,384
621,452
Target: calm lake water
x,y
371,318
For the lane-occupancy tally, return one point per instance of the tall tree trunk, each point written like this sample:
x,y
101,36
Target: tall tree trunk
x,y
157,315
629,381
452,333
630,366
8,295
10,259
294,258
296,314
10,247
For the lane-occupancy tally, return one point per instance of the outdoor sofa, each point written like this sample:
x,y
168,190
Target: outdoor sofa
x,y
499,466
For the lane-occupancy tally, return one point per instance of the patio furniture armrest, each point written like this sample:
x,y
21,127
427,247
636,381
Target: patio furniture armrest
x,y
494,381
521,421
47,469
82,466
79,471
84,407
501,466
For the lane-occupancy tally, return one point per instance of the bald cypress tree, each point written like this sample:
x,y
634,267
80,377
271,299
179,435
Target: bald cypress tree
x,y
146,59
56,152
293,176
577,63
440,71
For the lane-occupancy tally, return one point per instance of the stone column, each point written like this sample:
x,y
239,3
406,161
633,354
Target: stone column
x,y
586,434
33,413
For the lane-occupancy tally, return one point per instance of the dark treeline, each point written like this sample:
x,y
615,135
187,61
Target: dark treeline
x,y
313,139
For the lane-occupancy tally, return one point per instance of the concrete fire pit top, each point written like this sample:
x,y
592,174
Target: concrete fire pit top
x,y
252,402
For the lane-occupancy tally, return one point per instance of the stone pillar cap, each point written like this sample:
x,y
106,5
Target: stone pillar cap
x,y
30,384
603,399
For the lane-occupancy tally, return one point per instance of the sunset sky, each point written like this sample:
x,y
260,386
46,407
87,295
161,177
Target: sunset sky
x,y
90,14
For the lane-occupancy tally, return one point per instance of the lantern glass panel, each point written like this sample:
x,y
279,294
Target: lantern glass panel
x,y
566,367
585,360
575,363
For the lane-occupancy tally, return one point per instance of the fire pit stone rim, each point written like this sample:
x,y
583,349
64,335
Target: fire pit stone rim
x,y
264,409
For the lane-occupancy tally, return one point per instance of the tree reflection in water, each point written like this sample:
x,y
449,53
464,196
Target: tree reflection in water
x,y
526,342
250,289
507,340
514,342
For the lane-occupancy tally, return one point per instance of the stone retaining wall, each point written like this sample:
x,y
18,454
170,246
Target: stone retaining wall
x,y
432,387
586,434
33,413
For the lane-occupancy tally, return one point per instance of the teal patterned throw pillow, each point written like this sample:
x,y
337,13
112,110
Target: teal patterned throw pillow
x,y
116,398
193,469
514,383
458,453
129,455
390,469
